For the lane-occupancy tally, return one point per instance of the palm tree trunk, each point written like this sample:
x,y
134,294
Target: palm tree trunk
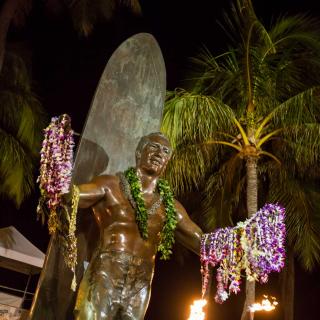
x,y
252,207
7,12
287,287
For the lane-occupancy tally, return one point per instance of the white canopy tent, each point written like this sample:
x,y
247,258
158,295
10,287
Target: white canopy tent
x,y
17,253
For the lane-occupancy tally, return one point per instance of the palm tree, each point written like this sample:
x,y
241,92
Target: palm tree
x,y
250,125
21,122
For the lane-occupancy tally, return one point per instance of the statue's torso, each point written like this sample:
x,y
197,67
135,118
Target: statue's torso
x,y
117,223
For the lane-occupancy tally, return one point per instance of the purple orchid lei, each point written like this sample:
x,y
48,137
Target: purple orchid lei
x,y
255,246
56,165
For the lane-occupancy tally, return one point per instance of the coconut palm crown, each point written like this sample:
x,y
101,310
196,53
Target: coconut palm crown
x,y
251,124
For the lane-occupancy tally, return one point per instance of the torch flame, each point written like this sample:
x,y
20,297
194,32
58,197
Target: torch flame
x,y
196,310
265,305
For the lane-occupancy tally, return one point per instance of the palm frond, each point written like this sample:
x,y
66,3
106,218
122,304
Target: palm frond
x,y
209,219
88,13
304,145
133,5
192,152
14,74
22,115
302,220
21,122
186,169
297,110
224,188
16,168
297,43
222,78
183,109
301,30
238,21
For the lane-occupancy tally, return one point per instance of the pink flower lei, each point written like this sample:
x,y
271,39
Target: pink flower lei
x,y
255,246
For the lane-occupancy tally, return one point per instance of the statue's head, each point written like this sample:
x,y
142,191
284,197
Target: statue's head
x,y
153,153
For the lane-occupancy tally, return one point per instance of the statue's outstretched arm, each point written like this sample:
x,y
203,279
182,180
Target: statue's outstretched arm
x,y
187,232
92,192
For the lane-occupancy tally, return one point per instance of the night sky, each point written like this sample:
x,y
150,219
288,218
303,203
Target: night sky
x,y
65,70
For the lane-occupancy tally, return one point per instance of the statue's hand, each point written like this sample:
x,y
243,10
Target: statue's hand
x,y
67,198
65,120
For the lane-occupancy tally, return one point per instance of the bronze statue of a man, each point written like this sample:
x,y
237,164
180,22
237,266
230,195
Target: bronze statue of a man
x,y
117,282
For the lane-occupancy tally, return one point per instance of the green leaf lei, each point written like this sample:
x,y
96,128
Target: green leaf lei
x,y
167,233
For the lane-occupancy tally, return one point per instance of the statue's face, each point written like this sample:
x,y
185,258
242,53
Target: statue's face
x,y
155,155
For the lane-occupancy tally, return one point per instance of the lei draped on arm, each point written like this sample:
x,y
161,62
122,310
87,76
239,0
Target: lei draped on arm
x,y
255,246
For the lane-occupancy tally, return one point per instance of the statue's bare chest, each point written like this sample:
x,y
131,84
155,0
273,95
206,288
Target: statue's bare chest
x,y
117,208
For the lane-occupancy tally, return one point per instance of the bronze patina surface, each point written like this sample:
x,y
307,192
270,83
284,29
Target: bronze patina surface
x,y
127,104
117,283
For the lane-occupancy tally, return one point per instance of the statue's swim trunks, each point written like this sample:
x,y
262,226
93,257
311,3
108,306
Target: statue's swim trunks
x,y
116,285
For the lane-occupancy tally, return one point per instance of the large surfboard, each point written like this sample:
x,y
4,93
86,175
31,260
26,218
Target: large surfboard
x,y
127,104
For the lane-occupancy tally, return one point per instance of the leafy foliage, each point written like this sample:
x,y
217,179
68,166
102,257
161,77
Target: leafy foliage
x,y
21,122
87,13
258,99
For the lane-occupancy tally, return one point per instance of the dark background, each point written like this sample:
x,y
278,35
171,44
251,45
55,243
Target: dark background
x,y
65,70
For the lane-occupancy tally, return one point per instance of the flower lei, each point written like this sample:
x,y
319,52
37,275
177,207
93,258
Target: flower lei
x,y
54,181
56,158
166,194
255,245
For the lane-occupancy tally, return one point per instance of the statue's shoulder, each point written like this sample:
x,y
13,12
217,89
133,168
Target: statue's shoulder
x,y
180,210
107,180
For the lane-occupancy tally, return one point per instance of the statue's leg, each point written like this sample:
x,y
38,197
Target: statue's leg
x,y
138,289
115,286
100,290
137,306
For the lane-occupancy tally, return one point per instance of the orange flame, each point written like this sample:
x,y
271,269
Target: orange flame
x,y
265,305
196,310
